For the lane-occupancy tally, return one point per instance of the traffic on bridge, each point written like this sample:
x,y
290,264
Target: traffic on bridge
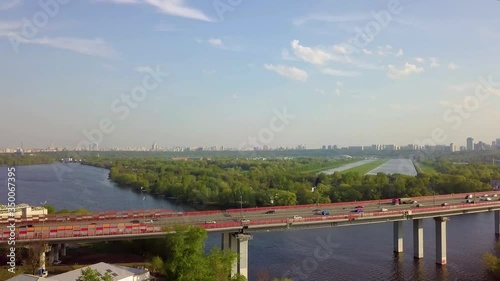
x,y
135,223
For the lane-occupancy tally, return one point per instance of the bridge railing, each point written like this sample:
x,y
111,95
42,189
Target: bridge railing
x,y
87,230
163,213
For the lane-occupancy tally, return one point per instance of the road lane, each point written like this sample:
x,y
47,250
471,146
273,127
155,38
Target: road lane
x,y
305,212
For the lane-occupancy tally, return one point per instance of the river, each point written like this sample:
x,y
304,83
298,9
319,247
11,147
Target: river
x,y
357,252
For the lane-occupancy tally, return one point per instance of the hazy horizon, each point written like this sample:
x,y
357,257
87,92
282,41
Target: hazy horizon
x,y
233,73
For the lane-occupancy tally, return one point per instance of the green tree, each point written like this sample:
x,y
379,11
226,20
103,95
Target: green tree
x,y
186,260
90,274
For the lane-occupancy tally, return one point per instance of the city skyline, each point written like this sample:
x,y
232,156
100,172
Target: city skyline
x,y
184,73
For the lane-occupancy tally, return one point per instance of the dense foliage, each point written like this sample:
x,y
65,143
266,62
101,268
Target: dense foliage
x,y
186,260
225,182
11,159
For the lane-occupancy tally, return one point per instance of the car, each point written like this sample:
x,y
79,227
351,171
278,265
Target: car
x,y
210,222
414,202
57,262
469,201
420,205
297,217
135,221
317,210
384,210
495,195
271,212
358,210
26,226
468,196
359,207
148,221
444,204
486,195
245,221
485,198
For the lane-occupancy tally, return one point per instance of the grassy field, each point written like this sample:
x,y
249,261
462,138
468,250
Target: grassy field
x,y
363,169
424,168
330,165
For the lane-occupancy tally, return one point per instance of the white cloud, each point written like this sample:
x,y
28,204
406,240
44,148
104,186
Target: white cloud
x,y
339,84
420,60
288,71
308,54
453,66
170,7
367,52
143,69
387,50
285,54
340,73
330,19
434,62
408,69
9,4
92,47
216,42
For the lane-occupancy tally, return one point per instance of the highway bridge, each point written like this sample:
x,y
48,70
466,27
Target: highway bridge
x,y
236,225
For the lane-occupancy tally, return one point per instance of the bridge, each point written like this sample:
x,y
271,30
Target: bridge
x,y
236,225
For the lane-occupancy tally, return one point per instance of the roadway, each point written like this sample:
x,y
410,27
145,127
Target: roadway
x,y
304,212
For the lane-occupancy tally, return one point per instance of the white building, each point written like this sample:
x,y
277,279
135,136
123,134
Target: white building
x,y
23,211
119,273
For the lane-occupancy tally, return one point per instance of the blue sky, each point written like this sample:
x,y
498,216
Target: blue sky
x,y
346,72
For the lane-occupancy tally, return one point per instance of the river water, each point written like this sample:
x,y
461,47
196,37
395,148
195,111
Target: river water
x,y
354,253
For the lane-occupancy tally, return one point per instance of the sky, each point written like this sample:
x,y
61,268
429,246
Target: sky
x,y
241,73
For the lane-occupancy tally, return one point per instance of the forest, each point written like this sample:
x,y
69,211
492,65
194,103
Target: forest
x,y
227,182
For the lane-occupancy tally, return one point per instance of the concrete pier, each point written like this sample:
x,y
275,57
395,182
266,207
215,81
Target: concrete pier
x,y
238,243
441,240
497,222
418,238
63,250
398,236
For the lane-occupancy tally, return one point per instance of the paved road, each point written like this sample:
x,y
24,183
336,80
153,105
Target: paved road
x,y
348,166
308,211
395,166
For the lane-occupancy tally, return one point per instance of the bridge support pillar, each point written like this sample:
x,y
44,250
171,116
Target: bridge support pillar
x,y
398,236
418,239
238,243
441,240
497,222
42,260
63,250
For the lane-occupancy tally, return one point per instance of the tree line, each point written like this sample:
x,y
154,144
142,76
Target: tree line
x,y
231,182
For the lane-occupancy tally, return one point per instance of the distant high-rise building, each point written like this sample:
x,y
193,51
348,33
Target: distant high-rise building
x,y
470,144
497,143
323,147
